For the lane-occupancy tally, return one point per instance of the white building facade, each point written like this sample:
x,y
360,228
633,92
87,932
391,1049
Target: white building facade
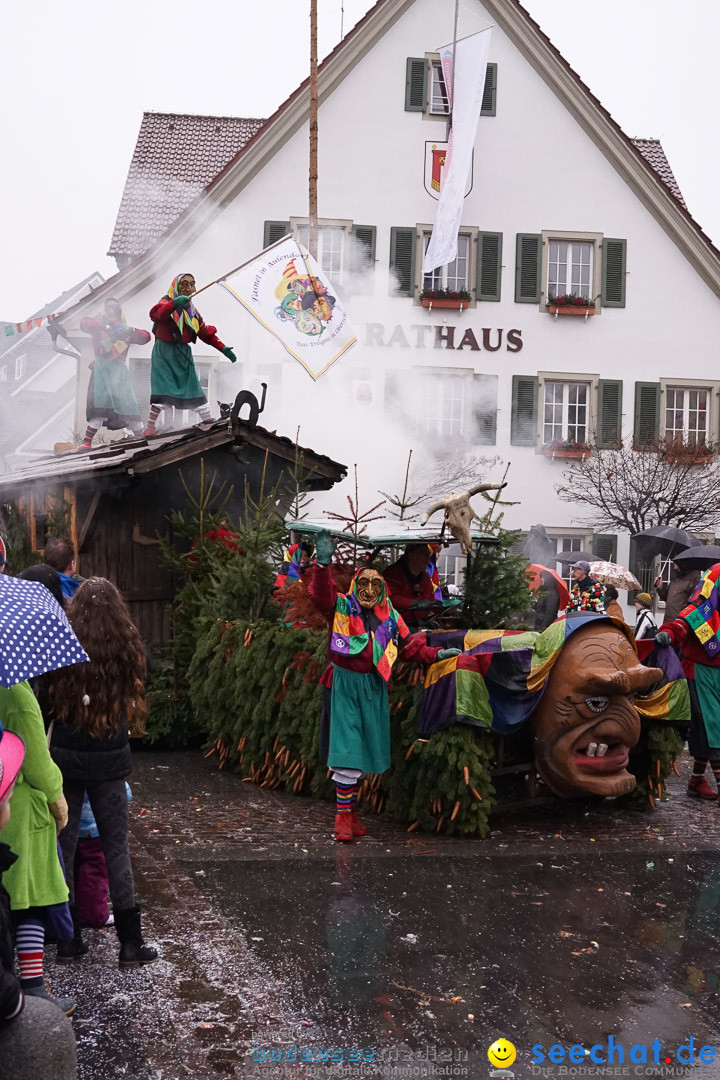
x,y
560,202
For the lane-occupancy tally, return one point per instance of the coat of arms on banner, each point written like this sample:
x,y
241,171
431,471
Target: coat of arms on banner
x,y
434,164
288,293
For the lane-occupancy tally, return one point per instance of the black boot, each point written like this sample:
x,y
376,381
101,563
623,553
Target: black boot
x,y
67,951
133,950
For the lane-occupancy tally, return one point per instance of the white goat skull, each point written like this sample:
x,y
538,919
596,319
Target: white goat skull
x,y
459,513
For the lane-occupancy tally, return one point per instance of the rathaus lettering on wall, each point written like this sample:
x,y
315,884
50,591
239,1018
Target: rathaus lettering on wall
x,y
436,336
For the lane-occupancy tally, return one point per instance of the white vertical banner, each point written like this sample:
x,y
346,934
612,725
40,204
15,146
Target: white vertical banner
x,y
466,70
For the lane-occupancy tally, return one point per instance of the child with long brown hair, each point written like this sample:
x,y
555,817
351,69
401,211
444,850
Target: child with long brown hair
x,y
93,705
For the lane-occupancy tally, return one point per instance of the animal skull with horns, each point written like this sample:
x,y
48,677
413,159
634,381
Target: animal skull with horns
x,y
459,513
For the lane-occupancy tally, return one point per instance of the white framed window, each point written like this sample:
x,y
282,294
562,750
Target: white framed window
x,y
452,567
331,246
439,98
3,373
571,265
20,365
458,276
569,540
566,412
454,276
334,243
687,414
444,406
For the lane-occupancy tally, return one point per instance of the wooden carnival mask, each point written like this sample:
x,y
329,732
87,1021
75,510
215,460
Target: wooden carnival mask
x,y
186,285
369,588
586,722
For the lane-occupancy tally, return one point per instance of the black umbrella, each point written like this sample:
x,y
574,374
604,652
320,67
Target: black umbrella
x,y
665,540
575,556
698,558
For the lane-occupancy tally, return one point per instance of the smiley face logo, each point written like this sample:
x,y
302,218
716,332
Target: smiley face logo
x,y
502,1054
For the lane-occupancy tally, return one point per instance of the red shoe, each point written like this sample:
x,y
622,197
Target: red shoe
x,y
343,826
86,444
358,829
701,790
149,431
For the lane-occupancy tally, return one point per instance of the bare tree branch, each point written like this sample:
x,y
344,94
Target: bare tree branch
x,y
631,489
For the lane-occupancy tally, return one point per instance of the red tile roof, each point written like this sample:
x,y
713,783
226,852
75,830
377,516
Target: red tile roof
x,y
175,158
653,153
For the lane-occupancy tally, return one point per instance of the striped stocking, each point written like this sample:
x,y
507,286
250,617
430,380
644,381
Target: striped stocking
x,y
30,945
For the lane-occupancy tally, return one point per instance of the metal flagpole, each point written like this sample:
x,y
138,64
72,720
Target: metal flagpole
x,y
313,175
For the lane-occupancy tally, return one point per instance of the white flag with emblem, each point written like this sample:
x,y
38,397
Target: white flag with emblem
x,y
466,88
288,293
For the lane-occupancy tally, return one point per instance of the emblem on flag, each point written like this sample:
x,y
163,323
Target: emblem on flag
x,y
287,292
435,158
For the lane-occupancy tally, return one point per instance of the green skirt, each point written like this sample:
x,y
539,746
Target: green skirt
x,y
173,379
111,393
359,722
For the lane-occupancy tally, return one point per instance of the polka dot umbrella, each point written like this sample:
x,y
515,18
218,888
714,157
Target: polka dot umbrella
x,y
35,635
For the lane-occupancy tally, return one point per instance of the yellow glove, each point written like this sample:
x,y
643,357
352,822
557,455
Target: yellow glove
x,y
59,811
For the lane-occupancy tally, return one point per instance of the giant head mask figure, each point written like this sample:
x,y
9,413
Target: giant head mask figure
x,y
586,722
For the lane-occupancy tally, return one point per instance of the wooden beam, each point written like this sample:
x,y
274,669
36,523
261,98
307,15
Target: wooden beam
x,y
287,453
89,517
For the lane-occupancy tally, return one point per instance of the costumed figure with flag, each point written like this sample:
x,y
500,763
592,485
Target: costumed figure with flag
x,y
696,634
173,380
111,398
366,634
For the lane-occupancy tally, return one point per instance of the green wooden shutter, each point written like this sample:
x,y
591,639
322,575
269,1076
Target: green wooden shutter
x,y
528,262
402,260
484,422
642,566
393,392
362,262
274,231
647,413
604,545
489,266
416,84
489,101
614,258
609,412
523,422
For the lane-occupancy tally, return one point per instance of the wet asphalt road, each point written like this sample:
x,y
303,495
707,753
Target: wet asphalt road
x,y
570,923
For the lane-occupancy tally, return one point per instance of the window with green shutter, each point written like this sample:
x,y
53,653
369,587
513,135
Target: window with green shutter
x,y
274,231
402,260
523,420
489,101
614,258
604,545
647,414
362,259
484,419
609,432
489,266
415,84
528,262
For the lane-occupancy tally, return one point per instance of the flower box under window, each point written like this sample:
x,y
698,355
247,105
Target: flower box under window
x,y
567,450
445,298
570,305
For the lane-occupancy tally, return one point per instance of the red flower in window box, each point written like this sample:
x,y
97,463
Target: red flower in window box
x,y
457,299
570,304
567,449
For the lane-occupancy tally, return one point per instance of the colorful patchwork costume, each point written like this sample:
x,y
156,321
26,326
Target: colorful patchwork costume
x,y
363,644
696,632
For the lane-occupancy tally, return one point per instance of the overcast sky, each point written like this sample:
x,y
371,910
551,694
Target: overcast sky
x,y
76,77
